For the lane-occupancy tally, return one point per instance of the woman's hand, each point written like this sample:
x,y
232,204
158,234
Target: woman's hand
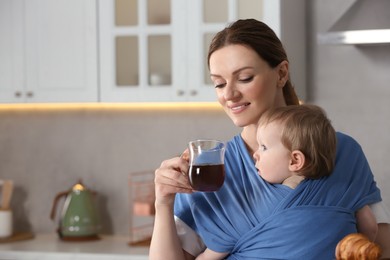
x,y
169,179
172,178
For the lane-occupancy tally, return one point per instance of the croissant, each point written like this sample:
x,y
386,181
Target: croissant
x,y
357,247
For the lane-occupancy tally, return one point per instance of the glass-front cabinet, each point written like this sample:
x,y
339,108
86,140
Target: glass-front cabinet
x,y
155,50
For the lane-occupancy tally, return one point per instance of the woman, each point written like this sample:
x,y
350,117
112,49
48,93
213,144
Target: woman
x,y
250,70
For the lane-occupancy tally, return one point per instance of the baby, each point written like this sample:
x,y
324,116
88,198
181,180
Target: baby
x,y
297,142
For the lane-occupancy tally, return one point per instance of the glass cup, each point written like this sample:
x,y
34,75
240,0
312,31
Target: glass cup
x,y
207,170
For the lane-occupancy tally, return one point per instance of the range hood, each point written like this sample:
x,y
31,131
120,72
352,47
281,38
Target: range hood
x,y
366,22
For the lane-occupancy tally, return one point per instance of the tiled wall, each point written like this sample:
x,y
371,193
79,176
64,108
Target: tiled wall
x,y
46,152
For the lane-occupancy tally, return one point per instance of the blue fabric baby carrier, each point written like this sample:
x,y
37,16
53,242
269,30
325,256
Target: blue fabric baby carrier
x,y
253,219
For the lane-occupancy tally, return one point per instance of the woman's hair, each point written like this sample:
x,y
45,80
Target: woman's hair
x,y
263,40
356,246
307,129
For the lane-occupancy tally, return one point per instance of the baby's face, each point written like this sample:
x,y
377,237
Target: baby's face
x,y
272,157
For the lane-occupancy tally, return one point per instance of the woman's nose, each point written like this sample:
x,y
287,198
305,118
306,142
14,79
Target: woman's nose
x,y
230,92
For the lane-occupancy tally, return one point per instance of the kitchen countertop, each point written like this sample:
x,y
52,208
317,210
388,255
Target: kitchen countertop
x,y
49,246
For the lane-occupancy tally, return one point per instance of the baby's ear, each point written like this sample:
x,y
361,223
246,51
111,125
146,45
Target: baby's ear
x,y
297,161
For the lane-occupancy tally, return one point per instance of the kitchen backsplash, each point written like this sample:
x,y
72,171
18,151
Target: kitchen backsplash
x,y
48,151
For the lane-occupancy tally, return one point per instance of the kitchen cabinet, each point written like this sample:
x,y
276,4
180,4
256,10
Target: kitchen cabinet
x,y
149,50
48,51
156,50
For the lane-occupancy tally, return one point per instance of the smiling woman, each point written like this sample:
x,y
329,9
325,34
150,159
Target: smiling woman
x,y
246,217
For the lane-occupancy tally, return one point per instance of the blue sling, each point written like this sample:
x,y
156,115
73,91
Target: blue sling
x,y
253,219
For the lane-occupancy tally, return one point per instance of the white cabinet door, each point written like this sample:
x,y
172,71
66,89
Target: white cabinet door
x,y
138,48
11,51
61,50
56,48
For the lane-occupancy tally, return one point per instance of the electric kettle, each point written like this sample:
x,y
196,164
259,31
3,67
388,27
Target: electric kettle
x,y
79,220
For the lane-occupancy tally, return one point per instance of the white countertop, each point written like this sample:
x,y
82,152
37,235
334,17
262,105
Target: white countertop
x,y
49,246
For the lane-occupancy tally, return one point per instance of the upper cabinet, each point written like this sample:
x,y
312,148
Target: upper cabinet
x,y
128,50
156,50
48,51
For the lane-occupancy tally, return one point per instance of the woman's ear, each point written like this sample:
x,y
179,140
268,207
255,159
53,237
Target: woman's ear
x,y
297,161
283,73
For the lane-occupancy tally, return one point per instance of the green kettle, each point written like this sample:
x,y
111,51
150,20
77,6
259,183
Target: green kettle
x,y
79,220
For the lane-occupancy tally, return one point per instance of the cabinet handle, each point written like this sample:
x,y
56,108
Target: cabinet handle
x,y
18,94
193,92
30,94
180,93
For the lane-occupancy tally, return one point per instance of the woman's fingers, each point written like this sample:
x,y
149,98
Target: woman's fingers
x,y
171,178
186,155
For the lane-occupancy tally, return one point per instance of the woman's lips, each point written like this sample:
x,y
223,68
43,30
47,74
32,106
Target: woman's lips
x,y
238,108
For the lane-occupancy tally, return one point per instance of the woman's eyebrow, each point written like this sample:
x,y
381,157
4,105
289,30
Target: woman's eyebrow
x,y
234,72
215,75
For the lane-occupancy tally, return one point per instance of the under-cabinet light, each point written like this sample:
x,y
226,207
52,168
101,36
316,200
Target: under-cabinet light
x,y
111,106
